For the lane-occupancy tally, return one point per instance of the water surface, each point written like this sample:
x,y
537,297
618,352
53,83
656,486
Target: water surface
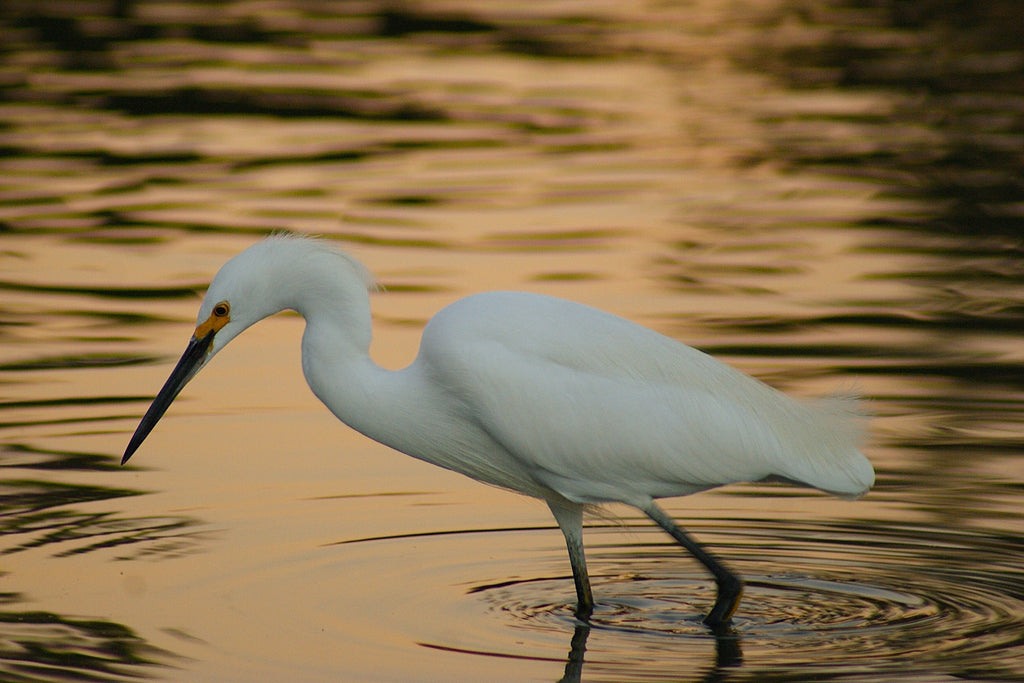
x,y
825,195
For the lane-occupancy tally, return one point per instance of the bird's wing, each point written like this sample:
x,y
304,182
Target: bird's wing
x,y
598,408
593,438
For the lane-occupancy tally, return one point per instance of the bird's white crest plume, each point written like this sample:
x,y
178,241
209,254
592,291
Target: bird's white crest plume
x,y
535,394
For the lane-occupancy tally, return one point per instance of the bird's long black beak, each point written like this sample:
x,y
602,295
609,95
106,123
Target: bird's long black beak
x,y
190,363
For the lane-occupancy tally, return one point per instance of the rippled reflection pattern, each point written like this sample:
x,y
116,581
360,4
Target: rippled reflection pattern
x,y
908,597
42,646
825,194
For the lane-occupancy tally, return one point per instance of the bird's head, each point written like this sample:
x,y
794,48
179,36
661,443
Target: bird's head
x,y
283,271
222,316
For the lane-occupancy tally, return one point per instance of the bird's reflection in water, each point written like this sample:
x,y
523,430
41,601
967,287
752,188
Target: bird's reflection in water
x,y
728,653
577,648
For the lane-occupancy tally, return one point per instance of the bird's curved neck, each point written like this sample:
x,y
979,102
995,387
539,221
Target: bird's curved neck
x,y
373,400
407,409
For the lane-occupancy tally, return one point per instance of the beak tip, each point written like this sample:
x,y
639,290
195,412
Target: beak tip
x,y
137,439
190,363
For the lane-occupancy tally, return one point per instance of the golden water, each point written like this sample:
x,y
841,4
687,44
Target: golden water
x,y
822,196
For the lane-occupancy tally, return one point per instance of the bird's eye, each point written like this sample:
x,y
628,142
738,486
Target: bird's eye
x,y
222,309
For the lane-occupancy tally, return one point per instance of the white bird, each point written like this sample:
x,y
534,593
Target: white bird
x,y
535,394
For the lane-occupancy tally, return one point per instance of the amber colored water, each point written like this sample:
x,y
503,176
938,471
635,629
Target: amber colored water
x,y
824,194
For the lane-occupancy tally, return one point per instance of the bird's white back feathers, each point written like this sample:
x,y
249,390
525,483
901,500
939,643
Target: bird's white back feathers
x,y
599,408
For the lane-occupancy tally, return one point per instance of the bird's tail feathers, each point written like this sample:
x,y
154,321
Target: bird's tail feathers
x,y
828,453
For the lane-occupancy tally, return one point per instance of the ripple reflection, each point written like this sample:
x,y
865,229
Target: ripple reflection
x,y
904,601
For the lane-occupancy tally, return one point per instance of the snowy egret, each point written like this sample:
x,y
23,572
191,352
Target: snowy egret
x,y
539,395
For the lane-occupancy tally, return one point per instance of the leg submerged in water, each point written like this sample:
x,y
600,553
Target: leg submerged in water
x,y
730,586
570,520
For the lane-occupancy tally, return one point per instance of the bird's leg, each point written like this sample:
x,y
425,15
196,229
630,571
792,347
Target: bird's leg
x,y
570,520
730,586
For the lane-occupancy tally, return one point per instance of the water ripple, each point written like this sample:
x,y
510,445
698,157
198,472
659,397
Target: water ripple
x,y
911,607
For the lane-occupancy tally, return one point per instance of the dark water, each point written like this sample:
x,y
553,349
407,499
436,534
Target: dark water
x,y
824,194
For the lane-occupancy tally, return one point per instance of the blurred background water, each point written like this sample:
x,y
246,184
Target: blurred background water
x,y
824,193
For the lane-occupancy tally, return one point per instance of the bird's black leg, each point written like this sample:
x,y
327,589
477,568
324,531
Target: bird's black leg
x,y
570,520
730,586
